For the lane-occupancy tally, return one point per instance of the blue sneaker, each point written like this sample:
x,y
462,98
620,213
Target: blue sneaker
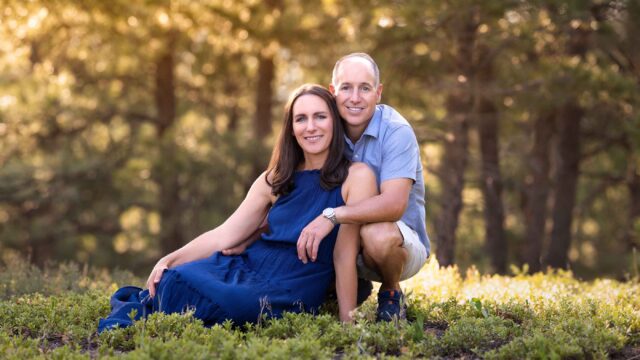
x,y
391,305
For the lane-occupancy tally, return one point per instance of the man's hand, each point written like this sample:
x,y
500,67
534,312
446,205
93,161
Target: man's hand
x,y
311,236
155,276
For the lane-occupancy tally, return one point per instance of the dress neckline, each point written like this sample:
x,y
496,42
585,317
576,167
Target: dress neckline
x,y
308,171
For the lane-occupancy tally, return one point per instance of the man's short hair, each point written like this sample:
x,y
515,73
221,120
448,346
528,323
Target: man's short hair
x,y
376,71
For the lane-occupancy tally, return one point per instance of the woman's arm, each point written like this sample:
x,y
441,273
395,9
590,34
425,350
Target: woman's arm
x,y
240,248
239,226
359,185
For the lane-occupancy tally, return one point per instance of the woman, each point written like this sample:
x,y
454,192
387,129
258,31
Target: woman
x,y
307,173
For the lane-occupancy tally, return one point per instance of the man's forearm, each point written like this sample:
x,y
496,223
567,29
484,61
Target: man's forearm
x,y
380,208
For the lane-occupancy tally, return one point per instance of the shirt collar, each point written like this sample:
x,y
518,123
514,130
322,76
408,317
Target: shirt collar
x,y
373,129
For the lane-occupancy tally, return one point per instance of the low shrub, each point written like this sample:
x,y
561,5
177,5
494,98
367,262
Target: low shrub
x,y
53,313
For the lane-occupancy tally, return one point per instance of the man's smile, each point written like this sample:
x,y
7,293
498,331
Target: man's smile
x,y
355,109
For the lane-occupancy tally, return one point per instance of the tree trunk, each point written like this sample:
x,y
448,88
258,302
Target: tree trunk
x,y
166,175
566,183
233,111
488,126
537,191
633,175
633,184
264,98
459,107
570,118
452,179
262,118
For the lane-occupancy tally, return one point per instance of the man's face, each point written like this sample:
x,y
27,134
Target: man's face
x,y
356,93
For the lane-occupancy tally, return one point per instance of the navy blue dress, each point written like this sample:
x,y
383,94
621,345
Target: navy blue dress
x,y
268,278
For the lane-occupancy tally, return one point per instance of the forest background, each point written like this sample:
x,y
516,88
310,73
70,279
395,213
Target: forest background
x,y
129,127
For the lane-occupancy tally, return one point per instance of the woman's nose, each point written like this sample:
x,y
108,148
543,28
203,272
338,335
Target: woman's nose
x,y
311,125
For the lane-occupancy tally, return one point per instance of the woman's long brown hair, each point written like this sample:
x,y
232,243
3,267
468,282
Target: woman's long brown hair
x,y
287,155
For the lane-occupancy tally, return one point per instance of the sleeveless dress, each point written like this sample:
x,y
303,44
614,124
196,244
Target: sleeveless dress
x,y
268,278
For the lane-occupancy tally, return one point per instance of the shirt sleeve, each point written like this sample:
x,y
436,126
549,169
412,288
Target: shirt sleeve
x,y
400,153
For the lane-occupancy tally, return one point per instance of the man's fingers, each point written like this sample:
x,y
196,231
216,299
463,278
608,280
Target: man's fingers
x,y
302,247
314,252
309,247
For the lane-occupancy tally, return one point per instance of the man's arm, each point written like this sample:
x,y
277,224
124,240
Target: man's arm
x,y
397,176
386,207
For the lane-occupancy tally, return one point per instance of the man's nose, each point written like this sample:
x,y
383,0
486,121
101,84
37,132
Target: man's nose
x,y
355,95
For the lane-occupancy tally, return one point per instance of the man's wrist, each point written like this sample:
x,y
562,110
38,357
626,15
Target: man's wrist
x,y
339,213
329,214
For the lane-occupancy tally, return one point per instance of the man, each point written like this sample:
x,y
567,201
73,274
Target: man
x,y
395,244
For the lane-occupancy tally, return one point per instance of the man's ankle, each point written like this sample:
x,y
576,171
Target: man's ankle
x,y
390,286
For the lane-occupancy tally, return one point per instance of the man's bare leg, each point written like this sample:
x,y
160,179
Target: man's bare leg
x,y
382,250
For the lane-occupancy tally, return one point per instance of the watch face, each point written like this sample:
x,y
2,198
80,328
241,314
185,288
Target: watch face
x,y
330,214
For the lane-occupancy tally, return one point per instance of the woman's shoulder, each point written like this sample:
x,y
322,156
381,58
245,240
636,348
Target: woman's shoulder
x,y
263,185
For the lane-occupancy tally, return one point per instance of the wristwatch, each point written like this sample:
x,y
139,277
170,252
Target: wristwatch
x,y
330,214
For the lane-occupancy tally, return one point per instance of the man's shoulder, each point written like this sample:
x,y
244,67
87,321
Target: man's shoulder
x,y
393,123
391,118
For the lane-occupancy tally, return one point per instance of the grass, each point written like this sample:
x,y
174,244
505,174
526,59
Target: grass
x,y
53,314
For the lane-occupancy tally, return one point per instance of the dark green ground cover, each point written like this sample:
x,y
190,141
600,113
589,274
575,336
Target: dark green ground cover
x,y
53,313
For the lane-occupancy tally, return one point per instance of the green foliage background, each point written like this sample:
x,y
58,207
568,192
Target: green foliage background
x,y
104,161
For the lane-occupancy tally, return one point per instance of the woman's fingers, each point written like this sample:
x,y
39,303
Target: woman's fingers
x,y
154,278
151,285
159,271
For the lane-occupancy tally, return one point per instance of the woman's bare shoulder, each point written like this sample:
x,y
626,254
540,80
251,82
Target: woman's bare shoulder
x,y
265,180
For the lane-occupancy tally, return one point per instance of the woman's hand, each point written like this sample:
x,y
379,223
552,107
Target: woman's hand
x,y
156,275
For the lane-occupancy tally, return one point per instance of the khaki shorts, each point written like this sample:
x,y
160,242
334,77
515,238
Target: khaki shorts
x,y
415,260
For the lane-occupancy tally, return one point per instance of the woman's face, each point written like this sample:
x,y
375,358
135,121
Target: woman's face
x,y
312,124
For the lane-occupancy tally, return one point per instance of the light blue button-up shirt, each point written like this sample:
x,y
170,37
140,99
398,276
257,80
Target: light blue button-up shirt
x,y
389,146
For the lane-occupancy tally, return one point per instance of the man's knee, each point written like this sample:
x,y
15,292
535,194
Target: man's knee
x,y
380,238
